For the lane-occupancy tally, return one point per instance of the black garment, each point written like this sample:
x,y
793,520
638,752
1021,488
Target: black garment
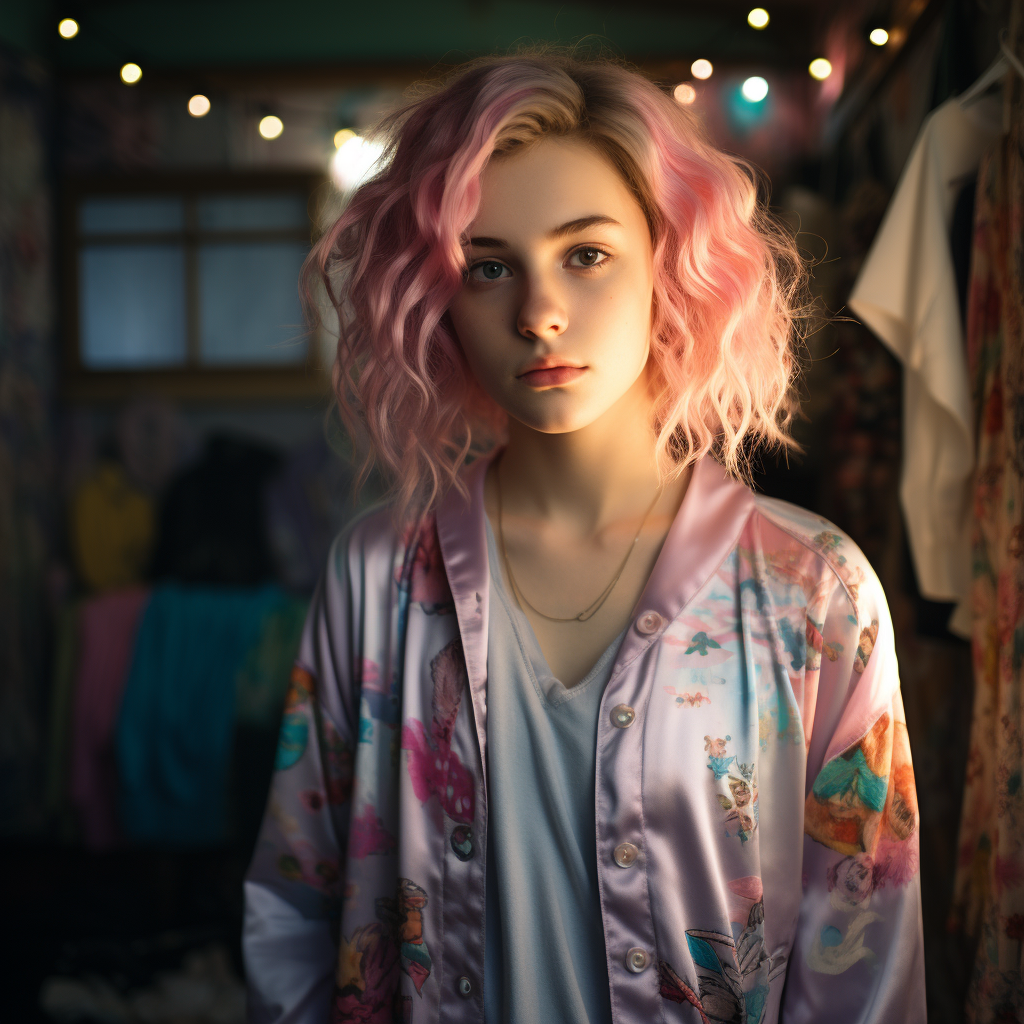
x,y
212,520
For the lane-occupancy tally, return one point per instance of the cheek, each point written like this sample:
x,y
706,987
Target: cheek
x,y
620,312
474,331
467,328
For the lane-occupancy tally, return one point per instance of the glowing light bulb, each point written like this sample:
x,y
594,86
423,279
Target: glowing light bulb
x,y
199,105
130,74
68,28
684,93
355,161
754,89
701,69
757,18
341,136
271,126
820,68
879,36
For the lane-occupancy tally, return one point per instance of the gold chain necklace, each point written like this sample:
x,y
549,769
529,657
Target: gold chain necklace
x,y
591,609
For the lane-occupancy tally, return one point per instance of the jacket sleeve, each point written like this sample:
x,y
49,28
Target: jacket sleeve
x,y
858,954
295,883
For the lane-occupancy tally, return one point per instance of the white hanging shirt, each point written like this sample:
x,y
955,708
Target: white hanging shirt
x,y
906,293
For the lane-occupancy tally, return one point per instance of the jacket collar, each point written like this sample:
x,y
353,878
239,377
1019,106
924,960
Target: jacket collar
x,y
706,528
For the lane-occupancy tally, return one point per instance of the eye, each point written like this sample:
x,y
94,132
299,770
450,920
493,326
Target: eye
x,y
588,257
488,270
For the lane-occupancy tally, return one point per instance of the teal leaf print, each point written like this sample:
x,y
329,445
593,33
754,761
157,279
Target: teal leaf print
x,y
291,744
700,642
850,774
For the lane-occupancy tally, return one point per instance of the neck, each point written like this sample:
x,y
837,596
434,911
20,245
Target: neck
x,y
584,480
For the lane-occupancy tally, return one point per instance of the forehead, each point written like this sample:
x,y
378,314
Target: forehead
x,y
549,183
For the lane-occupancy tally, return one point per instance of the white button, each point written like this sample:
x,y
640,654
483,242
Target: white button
x,y
637,960
623,716
626,854
649,622
465,987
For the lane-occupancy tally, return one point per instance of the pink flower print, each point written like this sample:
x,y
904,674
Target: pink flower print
x,y
437,771
851,882
371,679
428,583
744,893
368,835
433,766
312,800
302,863
715,747
367,978
1008,873
448,672
340,766
868,636
1009,606
896,863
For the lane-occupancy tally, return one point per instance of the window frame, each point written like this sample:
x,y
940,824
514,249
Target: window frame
x,y
193,380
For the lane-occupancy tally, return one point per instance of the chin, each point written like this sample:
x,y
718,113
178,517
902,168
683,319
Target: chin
x,y
554,424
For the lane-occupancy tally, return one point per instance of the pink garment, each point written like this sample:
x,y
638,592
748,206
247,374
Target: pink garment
x,y
107,628
751,746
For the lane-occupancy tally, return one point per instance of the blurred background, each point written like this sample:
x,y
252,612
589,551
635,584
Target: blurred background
x,y
170,472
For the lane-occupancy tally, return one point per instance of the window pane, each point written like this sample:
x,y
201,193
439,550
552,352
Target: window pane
x,y
249,303
109,216
254,213
132,306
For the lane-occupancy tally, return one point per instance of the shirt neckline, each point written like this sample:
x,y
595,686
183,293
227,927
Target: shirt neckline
x,y
551,689
706,528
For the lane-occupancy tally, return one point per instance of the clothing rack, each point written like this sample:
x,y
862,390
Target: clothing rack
x,y
858,99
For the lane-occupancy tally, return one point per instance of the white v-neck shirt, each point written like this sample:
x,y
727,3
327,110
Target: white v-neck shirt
x,y
545,950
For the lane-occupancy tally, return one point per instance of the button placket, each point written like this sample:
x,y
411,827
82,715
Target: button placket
x,y
649,622
623,716
625,854
462,842
637,960
464,987
627,898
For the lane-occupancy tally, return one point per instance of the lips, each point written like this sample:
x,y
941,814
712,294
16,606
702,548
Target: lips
x,y
552,376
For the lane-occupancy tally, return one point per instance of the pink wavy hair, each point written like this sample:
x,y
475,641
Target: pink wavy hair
x,y
727,277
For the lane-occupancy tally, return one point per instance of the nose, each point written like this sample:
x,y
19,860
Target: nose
x,y
542,312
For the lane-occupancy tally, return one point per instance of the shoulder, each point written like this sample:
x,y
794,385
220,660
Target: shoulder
x,y
372,552
792,533
366,547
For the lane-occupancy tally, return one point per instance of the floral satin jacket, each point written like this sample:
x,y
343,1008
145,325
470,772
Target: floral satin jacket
x,y
751,744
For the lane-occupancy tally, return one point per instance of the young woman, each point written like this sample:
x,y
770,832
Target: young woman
x,y
584,730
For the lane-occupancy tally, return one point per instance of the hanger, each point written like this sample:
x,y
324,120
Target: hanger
x,y
1006,60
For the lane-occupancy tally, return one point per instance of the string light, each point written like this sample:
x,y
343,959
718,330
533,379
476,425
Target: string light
x,y
68,28
341,136
754,89
271,126
701,69
757,18
199,105
879,36
130,74
684,93
820,69
354,161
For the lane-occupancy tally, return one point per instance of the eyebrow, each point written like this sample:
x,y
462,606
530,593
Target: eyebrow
x,y
570,227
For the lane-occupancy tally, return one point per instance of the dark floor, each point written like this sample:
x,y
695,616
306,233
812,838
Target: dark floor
x,y
122,916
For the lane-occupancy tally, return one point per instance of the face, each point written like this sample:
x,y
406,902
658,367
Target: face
x,y
560,277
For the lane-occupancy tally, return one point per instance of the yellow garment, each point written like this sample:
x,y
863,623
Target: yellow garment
x,y
112,529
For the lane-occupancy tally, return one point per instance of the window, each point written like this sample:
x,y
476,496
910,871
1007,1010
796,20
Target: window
x,y
190,286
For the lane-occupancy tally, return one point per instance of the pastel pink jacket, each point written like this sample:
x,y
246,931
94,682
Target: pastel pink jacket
x,y
751,743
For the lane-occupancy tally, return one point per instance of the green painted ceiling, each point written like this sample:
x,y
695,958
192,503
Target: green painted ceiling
x,y
166,36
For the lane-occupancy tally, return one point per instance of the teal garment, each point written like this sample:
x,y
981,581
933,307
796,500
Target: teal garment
x,y
176,726
545,952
